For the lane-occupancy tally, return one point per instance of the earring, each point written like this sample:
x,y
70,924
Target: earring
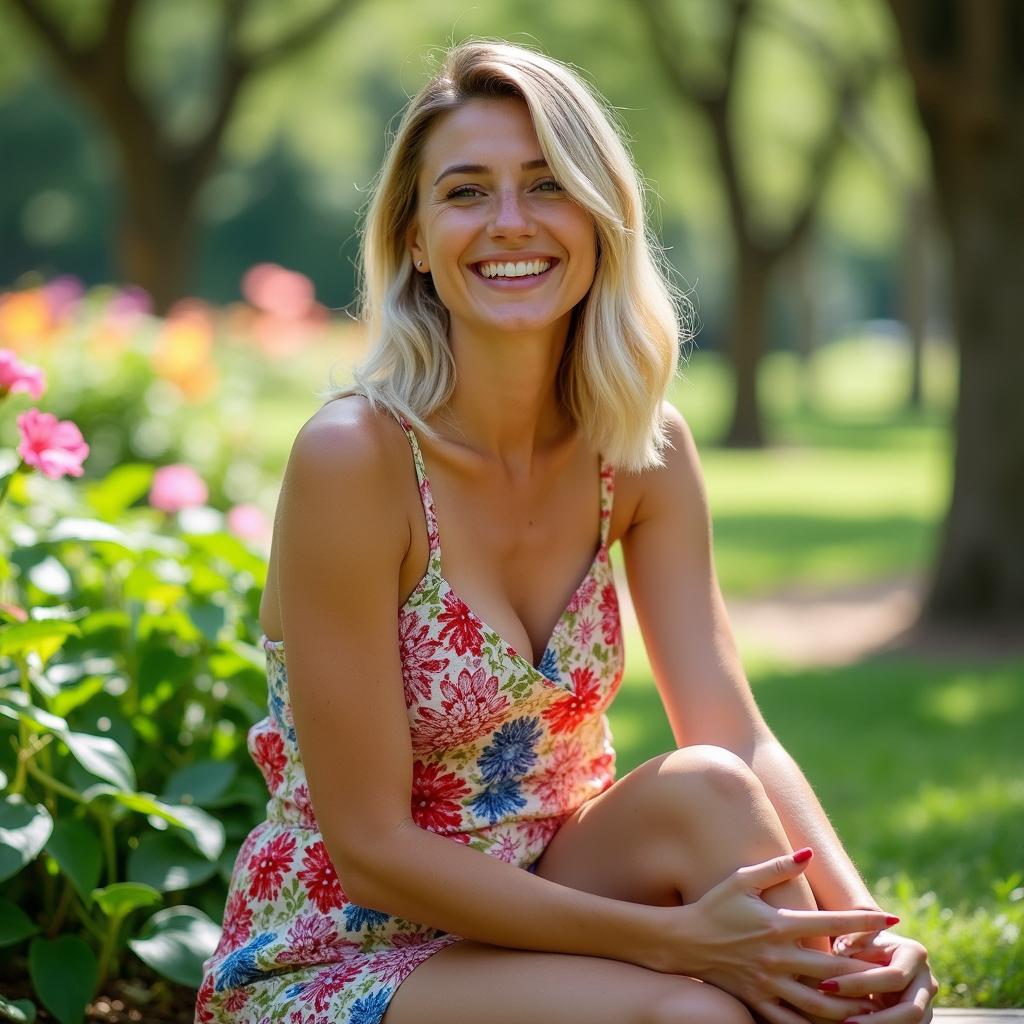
x,y
419,263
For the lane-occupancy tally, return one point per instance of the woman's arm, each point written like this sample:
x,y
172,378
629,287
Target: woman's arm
x,y
697,668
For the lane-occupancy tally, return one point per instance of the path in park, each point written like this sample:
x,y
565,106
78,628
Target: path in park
x,y
805,627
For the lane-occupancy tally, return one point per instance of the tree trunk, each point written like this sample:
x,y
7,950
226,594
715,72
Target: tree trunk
x,y
915,291
980,570
965,63
746,346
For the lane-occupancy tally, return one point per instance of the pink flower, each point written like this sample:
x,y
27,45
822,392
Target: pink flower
x,y
177,487
54,447
248,522
18,376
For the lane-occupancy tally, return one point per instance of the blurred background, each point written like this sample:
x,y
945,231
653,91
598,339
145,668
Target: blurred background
x,y
838,188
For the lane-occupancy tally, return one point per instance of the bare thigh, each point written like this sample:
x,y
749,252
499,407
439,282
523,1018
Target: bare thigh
x,y
475,983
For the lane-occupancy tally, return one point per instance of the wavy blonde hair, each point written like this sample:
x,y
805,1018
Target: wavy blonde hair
x,y
624,339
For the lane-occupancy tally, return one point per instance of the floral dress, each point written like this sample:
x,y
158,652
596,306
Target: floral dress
x,y
504,752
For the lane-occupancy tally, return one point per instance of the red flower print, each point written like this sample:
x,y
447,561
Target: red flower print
x,y
320,878
585,631
419,666
203,1012
305,807
567,712
237,923
462,630
611,624
435,797
538,832
392,966
313,939
268,753
471,707
565,773
583,596
236,1000
327,983
603,767
507,849
268,866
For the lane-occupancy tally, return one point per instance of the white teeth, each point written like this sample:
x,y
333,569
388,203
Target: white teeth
x,y
514,269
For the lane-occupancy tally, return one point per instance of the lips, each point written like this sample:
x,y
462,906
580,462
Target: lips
x,y
553,261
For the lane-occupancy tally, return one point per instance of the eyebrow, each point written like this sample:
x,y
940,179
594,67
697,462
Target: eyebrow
x,y
530,165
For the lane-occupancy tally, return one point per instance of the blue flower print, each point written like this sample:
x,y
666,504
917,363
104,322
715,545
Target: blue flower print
x,y
371,1009
239,967
510,753
501,797
549,666
356,917
277,709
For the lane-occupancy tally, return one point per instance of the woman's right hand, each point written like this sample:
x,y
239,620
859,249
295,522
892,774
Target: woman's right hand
x,y
736,941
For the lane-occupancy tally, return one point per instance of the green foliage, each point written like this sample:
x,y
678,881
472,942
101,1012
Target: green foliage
x,y
125,701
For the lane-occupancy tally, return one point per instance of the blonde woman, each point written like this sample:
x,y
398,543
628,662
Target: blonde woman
x,y
508,426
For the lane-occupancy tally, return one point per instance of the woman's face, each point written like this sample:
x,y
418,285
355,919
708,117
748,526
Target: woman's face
x,y
485,197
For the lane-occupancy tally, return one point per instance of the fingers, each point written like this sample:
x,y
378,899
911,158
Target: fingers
x,y
775,1014
914,1005
758,877
877,979
818,1004
806,923
903,965
820,966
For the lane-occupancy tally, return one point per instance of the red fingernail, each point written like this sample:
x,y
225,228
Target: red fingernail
x,y
892,919
801,855
829,986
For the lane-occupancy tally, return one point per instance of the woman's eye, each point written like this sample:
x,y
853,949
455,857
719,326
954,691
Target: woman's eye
x,y
550,181
455,192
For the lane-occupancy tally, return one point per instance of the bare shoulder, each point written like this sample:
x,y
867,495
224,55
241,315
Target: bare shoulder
x,y
344,477
675,485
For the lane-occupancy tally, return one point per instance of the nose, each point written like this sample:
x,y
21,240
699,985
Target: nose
x,y
511,215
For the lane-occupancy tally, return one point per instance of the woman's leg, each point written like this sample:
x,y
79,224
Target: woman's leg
x,y
662,835
475,983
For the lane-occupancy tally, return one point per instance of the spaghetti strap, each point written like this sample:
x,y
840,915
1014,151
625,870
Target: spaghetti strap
x,y
607,498
426,496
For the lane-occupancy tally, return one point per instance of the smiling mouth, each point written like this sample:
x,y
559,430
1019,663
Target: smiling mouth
x,y
523,278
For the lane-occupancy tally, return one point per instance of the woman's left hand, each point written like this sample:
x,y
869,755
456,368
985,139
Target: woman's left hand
x,y
902,983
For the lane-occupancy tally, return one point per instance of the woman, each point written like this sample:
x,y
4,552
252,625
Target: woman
x,y
523,335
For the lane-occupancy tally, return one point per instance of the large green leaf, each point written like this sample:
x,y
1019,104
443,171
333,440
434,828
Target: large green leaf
x,y
121,898
103,757
200,830
43,636
119,489
76,849
99,755
63,972
175,942
24,829
200,782
21,1011
15,924
166,863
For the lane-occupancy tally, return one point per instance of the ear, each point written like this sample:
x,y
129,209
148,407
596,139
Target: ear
x,y
414,243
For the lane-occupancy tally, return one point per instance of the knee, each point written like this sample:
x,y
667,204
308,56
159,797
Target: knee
x,y
708,773
698,1002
